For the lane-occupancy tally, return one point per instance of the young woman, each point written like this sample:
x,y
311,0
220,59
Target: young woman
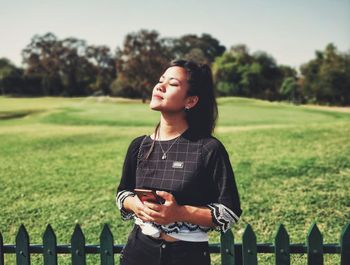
x,y
186,166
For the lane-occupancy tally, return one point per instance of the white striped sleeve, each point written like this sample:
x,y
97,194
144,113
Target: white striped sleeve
x,y
121,196
222,216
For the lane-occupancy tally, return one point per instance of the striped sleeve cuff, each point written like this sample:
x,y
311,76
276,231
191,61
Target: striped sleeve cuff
x,y
121,196
223,217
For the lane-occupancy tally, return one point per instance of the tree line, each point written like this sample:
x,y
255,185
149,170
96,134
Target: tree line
x,y
71,67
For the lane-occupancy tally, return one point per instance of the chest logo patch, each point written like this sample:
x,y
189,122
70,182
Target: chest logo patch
x,y
178,164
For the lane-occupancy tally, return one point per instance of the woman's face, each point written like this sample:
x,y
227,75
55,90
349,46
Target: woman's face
x,y
170,93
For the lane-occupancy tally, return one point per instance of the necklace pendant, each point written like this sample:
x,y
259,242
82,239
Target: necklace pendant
x,y
164,156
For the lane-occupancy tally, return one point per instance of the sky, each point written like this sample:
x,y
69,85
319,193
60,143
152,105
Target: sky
x,y
290,31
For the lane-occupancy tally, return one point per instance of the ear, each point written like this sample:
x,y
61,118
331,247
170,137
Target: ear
x,y
191,101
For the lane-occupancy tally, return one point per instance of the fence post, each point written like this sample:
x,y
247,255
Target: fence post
x,y
238,255
282,251
314,246
49,245
227,248
22,247
78,247
345,245
106,250
1,250
249,249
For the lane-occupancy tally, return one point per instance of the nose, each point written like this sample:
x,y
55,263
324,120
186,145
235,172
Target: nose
x,y
160,87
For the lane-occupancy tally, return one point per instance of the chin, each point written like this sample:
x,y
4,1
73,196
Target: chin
x,y
154,106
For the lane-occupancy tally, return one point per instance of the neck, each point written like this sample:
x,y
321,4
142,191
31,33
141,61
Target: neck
x,y
171,126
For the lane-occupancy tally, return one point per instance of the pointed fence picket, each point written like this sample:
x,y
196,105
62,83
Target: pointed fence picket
x,y
314,246
1,250
249,249
227,249
282,250
231,254
50,246
345,245
78,247
22,247
106,242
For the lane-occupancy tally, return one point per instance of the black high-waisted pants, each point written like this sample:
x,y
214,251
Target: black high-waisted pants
x,y
145,250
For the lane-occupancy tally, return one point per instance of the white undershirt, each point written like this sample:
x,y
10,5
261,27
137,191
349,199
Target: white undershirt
x,y
183,234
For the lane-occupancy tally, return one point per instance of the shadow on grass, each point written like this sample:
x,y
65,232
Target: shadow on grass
x,y
8,115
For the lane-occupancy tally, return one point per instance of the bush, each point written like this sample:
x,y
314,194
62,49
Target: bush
x,y
121,88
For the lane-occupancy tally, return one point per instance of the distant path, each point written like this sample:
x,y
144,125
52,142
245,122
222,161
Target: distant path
x,y
329,108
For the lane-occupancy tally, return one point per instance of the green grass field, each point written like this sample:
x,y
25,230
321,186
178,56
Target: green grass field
x,y
61,159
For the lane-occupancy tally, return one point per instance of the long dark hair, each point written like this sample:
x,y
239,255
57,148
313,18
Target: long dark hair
x,y
202,117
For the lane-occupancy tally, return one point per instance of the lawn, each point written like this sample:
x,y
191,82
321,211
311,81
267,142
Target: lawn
x,y
61,159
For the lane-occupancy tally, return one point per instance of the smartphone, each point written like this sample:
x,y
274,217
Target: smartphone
x,y
149,196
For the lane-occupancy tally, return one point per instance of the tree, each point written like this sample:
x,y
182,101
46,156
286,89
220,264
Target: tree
x,y
61,65
139,63
327,77
239,73
76,70
104,62
271,76
227,71
42,58
201,49
290,90
10,77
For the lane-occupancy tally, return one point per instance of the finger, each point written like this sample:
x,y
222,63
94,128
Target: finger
x,y
145,217
139,204
152,213
165,195
142,209
153,206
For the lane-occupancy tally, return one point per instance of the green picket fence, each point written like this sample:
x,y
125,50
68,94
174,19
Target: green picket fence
x,y
244,253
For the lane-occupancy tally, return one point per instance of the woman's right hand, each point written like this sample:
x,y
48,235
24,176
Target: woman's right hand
x,y
133,204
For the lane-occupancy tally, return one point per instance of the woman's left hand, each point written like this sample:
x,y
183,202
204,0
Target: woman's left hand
x,y
166,213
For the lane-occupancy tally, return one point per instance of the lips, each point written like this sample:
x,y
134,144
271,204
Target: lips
x,y
157,97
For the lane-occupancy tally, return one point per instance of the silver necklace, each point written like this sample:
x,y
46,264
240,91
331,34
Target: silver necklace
x,y
165,152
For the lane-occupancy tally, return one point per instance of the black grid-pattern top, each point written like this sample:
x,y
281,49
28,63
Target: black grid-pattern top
x,y
197,171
